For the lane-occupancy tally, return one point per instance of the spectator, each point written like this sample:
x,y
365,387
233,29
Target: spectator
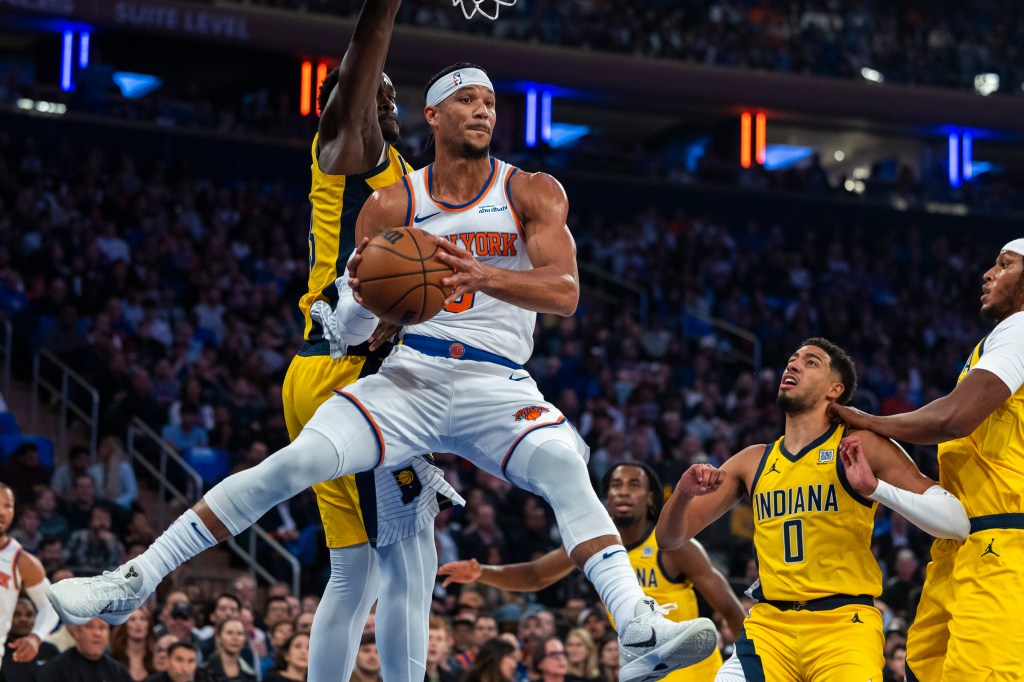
x,y
582,656
132,644
292,660
896,664
304,623
161,649
367,661
79,509
275,611
22,621
27,533
188,433
86,662
181,623
439,643
51,522
906,582
225,606
182,664
65,475
23,471
496,662
113,473
96,548
608,659
51,554
227,663
549,660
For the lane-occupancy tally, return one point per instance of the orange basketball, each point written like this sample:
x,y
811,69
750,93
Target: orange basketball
x,y
400,276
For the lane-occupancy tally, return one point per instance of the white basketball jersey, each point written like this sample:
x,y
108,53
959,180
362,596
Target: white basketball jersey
x,y
489,228
10,584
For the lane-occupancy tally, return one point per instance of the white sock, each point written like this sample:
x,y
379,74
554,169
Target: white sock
x,y
187,537
615,580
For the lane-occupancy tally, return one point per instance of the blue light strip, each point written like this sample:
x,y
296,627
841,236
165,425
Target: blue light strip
x,y
65,61
545,116
531,117
968,154
954,160
83,50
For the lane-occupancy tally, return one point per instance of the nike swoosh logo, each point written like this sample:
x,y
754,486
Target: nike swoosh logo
x,y
420,219
611,554
647,643
195,527
513,378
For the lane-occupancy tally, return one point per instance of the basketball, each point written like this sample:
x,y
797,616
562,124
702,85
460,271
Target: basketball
x,y
400,276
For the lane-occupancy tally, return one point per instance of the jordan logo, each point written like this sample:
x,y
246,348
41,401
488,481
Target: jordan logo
x,y
773,470
856,618
131,573
989,549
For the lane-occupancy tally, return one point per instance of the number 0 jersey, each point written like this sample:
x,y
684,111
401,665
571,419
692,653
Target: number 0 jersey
x,y
336,201
812,531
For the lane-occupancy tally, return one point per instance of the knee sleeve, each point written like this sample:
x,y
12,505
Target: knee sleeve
x,y
407,571
557,472
341,615
240,500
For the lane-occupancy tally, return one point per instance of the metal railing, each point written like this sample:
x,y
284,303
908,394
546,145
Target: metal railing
x,y
72,393
733,341
8,352
165,456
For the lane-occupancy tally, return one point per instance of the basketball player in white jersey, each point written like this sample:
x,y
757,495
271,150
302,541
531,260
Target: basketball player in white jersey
x,y
20,570
456,383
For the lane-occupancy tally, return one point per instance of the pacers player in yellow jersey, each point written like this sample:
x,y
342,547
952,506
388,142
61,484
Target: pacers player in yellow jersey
x,y
814,505
970,622
633,496
353,156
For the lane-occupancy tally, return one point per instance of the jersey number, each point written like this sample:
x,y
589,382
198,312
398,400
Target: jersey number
x,y
793,539
461,304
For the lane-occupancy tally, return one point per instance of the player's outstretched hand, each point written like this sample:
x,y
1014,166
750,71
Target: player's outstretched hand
x,y
470,274
850,416
858,471
25,648
701,479
460,572
353,266
381,335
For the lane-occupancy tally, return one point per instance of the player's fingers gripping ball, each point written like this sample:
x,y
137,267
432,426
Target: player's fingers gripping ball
x,y
400,276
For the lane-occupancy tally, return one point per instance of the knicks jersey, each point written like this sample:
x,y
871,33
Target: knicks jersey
x,y
985,470
489,227
336,201
10,584
812,531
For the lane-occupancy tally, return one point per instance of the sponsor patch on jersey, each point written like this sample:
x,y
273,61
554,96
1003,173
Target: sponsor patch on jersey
x,y
531,413
826,456
648,552
456,350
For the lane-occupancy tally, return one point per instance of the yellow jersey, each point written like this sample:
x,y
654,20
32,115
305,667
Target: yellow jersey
x,y
985,470
812,531
645,558
336,201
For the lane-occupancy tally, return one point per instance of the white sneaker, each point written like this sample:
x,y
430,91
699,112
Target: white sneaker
x,y
652,646
111,596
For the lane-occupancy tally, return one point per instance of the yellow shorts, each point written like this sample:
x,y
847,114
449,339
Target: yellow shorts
x,y
704,671
310,381
843,644
980,588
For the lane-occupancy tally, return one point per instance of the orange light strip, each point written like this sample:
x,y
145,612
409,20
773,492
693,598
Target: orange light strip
x,y
760,138
321,74
745,140
307,74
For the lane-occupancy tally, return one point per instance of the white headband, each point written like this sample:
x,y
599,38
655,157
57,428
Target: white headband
x,y
447,85
1017,246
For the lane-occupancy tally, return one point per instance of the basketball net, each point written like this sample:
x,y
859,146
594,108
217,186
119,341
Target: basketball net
x,y
471,7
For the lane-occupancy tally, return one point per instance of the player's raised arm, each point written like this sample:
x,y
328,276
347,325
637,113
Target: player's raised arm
x,y
702,495
350,136
523,577
881,470
552,286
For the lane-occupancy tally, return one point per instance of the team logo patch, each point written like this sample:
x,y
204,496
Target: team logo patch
x,y
456,350
826,456
531,413
648,552
408,483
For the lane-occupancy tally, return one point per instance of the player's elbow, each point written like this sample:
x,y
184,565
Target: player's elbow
x,y
954,425
569,297
668,540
